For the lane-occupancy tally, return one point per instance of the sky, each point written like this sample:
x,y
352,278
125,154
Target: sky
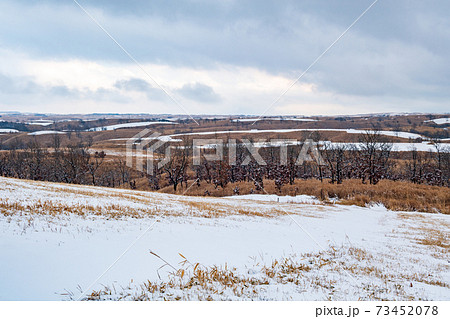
x,y
224,56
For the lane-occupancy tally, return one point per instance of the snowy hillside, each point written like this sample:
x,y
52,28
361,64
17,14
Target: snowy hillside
x,y
56,241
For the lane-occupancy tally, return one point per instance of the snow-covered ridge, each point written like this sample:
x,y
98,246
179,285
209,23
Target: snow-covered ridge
x,y
443,120
41,123
406,135
396,147
45,133
125,125
273,119
8,130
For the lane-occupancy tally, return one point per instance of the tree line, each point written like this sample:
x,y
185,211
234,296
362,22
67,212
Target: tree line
x,y
74,164
371,161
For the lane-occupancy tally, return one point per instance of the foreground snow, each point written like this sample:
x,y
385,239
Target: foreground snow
x,y
57,239
303,199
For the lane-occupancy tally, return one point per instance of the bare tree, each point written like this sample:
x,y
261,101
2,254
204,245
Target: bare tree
x,y
94,164
375,154
415,167
176,167
336,161
123,169
75,161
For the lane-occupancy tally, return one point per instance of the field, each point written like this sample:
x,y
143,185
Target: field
x,y
63,242
110,131
401,196
92,149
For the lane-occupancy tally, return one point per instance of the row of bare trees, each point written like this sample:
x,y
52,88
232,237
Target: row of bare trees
x,y
73,164
370,161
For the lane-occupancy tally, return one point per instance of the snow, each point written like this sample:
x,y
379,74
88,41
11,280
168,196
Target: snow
x,y
443,120
41,122
388,133
303,120
45,133
397,147
125,125
304,199
349,131
273,119
8,130
66,235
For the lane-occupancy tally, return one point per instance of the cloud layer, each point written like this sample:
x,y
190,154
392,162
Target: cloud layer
x,y
236,55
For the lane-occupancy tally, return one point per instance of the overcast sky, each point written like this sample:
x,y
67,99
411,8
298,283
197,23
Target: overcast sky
x,y
224,56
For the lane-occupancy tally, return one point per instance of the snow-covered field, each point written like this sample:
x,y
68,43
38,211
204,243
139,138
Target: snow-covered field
x,y
56,240
41,122
273,119
396,147
45,133
126,125
443,120
406,135
399,134
8,130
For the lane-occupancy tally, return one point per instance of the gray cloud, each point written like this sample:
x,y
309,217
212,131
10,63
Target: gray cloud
x,y
133,84
398,50
100,94
139,85
11,86
17,85
199,92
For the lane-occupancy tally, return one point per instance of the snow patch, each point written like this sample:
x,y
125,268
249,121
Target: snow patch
x,y
125,125
45,133
41,123
303,199
443,120
273,119
8,130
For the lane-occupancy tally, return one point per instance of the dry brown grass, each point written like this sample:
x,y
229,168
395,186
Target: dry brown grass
x,y
115,204
214,210
58,209
378,277
399,196
435,238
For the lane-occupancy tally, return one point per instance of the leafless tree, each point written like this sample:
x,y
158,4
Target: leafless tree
x,y
375,154
176,167
335,157
93,164
123,170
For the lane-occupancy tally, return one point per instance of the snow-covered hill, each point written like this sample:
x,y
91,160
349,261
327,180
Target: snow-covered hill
x,y
57,240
